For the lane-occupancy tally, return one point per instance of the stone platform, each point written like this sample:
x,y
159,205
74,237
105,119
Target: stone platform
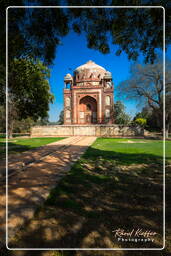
x,y
86,130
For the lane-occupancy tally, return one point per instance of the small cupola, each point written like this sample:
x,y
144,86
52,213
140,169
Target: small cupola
x,y
68,78
108,75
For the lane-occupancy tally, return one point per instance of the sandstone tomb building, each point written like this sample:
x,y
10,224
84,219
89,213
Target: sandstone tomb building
x,y
88,95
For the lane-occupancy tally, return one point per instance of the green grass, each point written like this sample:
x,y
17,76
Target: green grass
x,y
123,196
141,151
104,155
17,145
113,185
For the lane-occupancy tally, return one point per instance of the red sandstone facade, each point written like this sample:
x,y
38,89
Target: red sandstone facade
x,y
88,96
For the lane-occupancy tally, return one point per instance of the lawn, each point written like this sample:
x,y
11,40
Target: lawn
x,y
17,145
117,183
131,151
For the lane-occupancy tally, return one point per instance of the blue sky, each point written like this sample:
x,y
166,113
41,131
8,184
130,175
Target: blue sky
x,y
72,53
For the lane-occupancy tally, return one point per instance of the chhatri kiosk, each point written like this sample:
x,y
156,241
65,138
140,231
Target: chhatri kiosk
x,y
88,96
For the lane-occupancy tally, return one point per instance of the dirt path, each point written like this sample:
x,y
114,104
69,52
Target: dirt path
x,y
30,185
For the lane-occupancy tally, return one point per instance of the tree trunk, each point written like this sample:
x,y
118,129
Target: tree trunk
x,y
167,126
10,127
167,130
12,115
11,119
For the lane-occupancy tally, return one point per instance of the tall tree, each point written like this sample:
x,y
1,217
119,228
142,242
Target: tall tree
x,y
61,117
146,85
120,116
29,91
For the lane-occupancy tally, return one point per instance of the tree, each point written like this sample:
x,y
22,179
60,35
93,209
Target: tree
x,y
168,102
38,31
119,114
141,122
23,126
145,113
2,119
61,117
133,30
146,85
150,115
2,85
29,91
42,121
32,33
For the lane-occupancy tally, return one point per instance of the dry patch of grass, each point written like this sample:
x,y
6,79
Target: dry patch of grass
x,y
131,141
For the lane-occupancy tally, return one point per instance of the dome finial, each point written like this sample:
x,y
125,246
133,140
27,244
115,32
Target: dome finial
x,y
89,61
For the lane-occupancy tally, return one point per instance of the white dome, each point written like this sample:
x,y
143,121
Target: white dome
x,y
90,65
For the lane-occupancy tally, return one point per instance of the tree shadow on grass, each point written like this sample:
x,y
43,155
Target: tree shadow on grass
x,y
87,205
18,148
124,158
13,148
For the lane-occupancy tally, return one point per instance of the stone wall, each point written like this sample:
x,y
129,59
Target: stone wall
x,y
85,130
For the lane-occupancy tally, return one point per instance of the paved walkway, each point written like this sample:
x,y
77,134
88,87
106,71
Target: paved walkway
x,y
22,160
39,172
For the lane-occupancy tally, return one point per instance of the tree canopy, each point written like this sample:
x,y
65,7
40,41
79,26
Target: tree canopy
x,y
120,116
32,98
29,90
146,85
133,30
153,124
38,31
140,121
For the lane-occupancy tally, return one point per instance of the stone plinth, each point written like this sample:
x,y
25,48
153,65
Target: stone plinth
x,y
85,130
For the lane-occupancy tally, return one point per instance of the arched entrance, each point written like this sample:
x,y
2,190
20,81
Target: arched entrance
x,y
87,110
